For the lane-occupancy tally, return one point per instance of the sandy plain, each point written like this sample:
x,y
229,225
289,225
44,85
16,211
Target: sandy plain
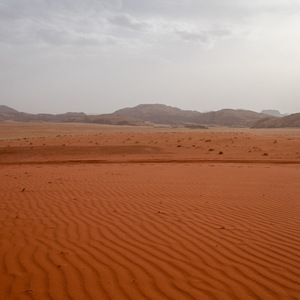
x,y
102,212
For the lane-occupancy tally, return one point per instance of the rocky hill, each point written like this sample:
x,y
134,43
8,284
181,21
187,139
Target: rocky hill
x,y
230,117
144,114
292,120
9,114
160,114
272,112
163,114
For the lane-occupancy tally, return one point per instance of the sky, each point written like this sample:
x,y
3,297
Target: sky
x,y
97,56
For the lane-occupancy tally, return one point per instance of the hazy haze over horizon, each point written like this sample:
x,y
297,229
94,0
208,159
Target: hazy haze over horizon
x,y
98,56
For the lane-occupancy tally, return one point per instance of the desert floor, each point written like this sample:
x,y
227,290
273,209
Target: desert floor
x,y
101,212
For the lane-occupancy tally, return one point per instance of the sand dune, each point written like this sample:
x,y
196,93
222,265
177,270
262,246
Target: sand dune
x,y
117,223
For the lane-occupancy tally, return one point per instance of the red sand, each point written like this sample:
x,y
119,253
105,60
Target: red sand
x,y
151,216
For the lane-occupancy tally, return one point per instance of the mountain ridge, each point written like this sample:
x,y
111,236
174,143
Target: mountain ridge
x,y
163,114
9,114
153,114
292,120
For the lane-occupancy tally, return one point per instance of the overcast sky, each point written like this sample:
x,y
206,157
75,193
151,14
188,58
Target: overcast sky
x,y
97,56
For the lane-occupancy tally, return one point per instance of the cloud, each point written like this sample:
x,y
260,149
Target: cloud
x,y
135,23
102,23
54,23
60,23
128,22
219,9
203,36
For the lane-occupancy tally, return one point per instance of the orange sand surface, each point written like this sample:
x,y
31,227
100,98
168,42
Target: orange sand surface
x,y
209,214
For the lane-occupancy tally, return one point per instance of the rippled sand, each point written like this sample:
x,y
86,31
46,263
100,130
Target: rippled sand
x,y
156,215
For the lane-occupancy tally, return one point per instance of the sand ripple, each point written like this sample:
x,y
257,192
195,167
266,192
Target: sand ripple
x,y
150,231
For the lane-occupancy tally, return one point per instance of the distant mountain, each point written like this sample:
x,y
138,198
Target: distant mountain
x,y
144,114
7,110
292,120
230,117
9,114
160,114
272,112
163,114
115,119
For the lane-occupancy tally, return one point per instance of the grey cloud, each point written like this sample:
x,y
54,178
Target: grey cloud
x,y
113,4
62,22
212,8
190,32
51,23
60,26
127,21
65,37
20,8
203,36
82,6
66,22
